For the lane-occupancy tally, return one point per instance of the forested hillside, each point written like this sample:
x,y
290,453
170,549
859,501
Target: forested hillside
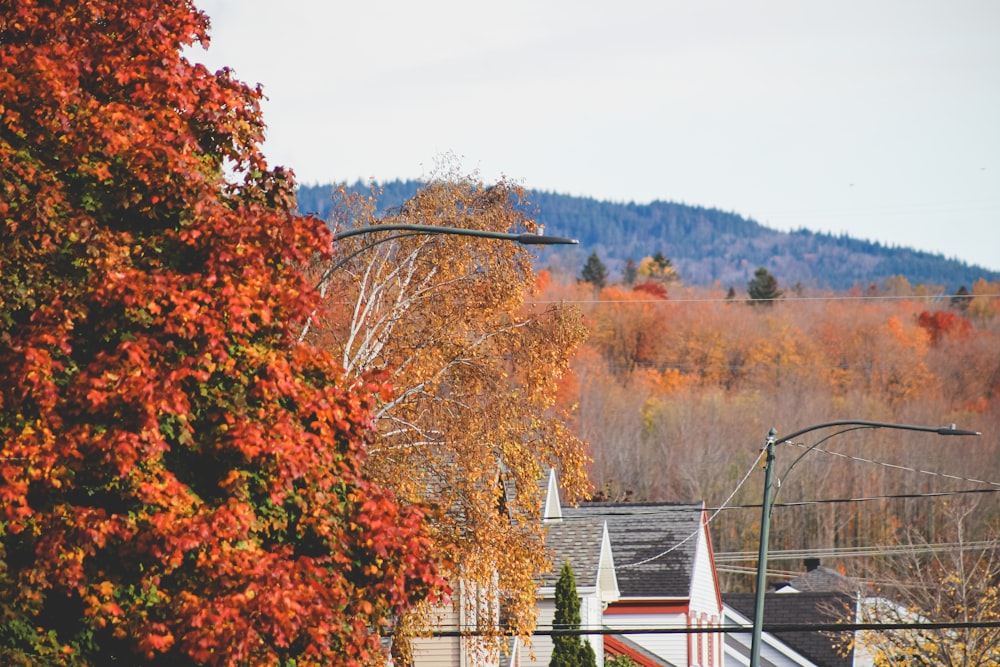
x,y
676,396
707,246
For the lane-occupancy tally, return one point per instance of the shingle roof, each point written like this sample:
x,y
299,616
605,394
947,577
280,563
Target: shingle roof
x,y
639,531
578,542
822,579
798,608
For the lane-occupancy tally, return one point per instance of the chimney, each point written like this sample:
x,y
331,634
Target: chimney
x,y
811,564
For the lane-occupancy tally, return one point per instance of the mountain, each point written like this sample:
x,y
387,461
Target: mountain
x,y
706,245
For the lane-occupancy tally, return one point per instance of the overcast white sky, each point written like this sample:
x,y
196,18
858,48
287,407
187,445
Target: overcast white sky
x,y
878,118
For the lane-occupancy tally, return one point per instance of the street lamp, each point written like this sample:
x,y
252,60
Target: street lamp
x,y
526,238
406,229
768,504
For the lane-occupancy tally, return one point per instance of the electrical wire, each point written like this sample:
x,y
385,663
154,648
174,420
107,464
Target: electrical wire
x,y
896,466
703,524
726,629
852,552
865,499
784,300
797,503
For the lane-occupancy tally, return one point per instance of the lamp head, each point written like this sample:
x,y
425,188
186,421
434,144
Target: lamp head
x,y
951,430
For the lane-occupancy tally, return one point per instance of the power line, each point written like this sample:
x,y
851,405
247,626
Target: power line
x,y
833,552
896,466
784,300
865,499
724,629
701,526
672,509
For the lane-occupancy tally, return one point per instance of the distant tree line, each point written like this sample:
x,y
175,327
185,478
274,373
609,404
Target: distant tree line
x,y
707,246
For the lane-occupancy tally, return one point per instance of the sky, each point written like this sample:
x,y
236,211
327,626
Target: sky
x,y
879,119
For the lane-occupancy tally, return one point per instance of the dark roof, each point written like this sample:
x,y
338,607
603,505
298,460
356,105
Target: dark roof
x,y
821,579
641,531
578,542
797,608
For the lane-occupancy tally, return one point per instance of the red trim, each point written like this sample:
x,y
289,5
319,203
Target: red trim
x,y
615,647
691,639
701,640
711,643
647,607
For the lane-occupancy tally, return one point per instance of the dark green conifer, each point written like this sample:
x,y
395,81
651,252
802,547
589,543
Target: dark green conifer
x,y
763,289
630,272
594,272
569,650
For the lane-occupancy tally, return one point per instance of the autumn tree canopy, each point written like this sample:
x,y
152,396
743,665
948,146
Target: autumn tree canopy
x,y
472,427
180,479
698,380
960,586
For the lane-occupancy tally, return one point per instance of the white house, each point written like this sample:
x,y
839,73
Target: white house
x,y
646,578
586,546
666,575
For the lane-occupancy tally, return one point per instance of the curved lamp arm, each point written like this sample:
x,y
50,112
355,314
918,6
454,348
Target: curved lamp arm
x,y
525,238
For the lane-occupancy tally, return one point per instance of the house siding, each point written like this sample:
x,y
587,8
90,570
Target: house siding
x,y
704,593
670,647
440,651
705,608
541,645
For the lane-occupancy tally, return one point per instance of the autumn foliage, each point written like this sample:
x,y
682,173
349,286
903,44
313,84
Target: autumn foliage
x,y
180,480
676,397
941,323
477,364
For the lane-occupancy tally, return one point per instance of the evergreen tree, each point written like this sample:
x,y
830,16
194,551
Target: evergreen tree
x,y
630,272
763,289
961,299
594,272
569,650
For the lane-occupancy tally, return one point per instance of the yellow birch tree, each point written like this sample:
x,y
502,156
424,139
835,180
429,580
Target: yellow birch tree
x,y
471,429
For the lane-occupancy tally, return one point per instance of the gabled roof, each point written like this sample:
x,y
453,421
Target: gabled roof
x,y
798,608
585,544
667,533
578,542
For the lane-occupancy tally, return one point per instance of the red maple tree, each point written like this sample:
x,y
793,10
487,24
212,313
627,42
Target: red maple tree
x,y
180,481
943,323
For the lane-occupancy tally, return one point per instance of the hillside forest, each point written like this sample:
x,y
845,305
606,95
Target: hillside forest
x,y
707,246
676,387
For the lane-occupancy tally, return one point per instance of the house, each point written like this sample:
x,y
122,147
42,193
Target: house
x,y
665,576
818,579
646,578
586,546
820,595
791,648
